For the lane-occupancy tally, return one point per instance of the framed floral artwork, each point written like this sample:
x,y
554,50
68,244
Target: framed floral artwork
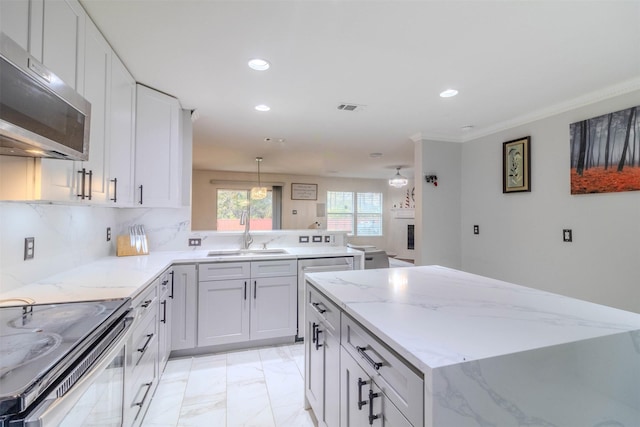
x,y
516,165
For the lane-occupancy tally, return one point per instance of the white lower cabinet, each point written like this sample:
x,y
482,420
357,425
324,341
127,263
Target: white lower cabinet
x,y
351,378
243,301
165,291
141,364
223,312
363,402
184,306
322,354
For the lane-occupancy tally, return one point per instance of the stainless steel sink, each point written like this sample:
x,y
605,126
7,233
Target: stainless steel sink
x,y
239,252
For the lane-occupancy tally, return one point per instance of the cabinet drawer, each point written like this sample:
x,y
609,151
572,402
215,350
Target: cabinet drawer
x,y
166,283
144,340
285,267
141,388
399,381
224,270
324,309
146,303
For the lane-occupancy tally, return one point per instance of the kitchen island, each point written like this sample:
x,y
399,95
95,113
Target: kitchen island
x,y
487,352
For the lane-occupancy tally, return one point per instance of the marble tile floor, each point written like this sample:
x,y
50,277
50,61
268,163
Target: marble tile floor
x,y
259,387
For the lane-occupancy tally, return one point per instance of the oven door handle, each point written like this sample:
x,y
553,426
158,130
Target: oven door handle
x,y
52,410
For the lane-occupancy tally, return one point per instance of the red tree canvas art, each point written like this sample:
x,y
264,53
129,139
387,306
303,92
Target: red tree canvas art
x,y
605,153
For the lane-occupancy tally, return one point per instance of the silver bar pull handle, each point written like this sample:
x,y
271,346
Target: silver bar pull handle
x,y
365,356
115,190
90,184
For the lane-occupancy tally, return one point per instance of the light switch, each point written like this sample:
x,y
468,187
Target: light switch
x,y
567,235
29,247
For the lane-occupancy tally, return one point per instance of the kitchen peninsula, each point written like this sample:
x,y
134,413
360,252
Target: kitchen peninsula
x,y
438,347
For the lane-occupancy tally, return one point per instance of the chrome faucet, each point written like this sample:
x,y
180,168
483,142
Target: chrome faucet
x,y
245,220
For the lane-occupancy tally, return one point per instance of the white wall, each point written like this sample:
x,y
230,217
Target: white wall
x,y
520,236
438,207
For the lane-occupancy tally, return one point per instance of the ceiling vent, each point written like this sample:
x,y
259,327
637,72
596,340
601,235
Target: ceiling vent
x,y
350,107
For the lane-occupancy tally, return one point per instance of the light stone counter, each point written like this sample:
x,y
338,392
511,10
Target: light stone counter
x,y
497,354
121,277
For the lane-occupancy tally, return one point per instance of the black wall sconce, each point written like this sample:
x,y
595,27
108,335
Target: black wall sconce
x,y
432,178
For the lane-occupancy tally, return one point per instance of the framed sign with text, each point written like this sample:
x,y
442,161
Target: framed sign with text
x,y
304,191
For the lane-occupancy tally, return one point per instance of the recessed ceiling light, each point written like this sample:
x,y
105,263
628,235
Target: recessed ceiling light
x,y
448,93
262,107
375,155
259,64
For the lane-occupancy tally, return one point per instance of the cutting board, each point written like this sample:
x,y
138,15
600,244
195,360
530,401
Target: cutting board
x,y
124,248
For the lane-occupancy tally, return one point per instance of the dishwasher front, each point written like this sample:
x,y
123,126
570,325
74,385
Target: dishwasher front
x,y
317,265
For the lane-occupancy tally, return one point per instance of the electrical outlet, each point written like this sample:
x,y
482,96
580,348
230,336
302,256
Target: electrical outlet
x,y
29,247
108,234
303,239
567,235
317,239
327,239
476,229
195,241
294,212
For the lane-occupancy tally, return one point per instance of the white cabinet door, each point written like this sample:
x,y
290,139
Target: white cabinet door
x,y
164,319
158,160
62,51
184,307
63,41
354,392
97,90
14,21
121,135
273,307
314,366
362,401
223,312
331,376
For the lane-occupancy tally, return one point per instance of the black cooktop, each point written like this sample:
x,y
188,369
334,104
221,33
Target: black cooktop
x,y
40,342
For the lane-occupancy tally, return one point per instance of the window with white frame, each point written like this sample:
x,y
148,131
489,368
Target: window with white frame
x,y
359,214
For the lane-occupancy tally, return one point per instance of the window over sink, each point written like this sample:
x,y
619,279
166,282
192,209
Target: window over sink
x,y
231,202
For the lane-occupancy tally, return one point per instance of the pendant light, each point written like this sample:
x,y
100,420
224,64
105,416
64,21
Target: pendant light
x,y
259,192
398,180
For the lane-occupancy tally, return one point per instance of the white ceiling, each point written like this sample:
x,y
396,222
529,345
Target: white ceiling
x,y
512,61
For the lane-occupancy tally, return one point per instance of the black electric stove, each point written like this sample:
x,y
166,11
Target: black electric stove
x,y
39,343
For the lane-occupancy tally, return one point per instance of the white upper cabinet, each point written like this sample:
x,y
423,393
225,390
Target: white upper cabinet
x,y
140,141
63,40
14,21
61,48
121,135
158,149
97,90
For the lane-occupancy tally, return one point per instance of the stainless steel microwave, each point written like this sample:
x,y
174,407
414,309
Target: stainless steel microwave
x,y
40,115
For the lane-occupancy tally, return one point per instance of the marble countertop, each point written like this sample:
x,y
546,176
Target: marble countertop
x,y
435,316
121,277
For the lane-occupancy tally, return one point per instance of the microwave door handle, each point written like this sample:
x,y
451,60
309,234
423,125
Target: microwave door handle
x,y
52,410
82,183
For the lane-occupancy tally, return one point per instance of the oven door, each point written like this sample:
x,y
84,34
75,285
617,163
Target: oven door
x,y
96,399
